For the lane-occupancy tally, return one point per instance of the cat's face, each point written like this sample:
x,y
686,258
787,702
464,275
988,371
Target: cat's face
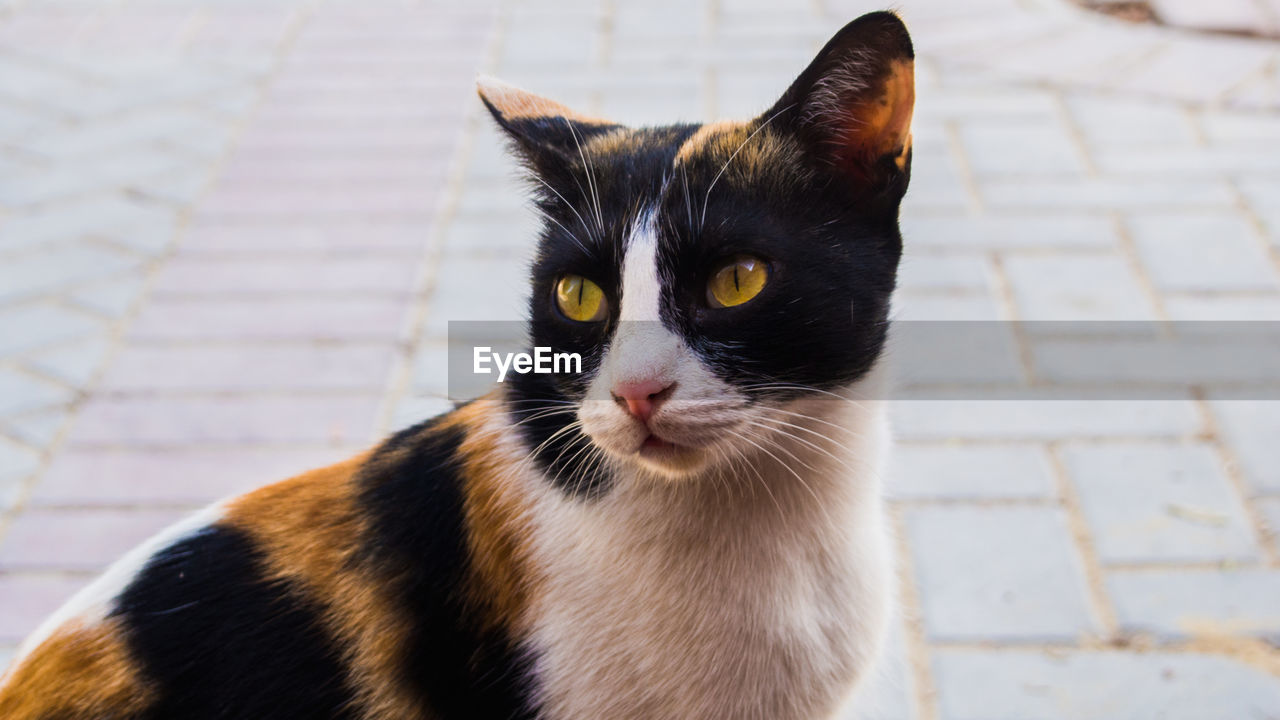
x,y
710,276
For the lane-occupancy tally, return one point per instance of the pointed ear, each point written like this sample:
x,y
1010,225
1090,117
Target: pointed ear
x,y
852,106
536,124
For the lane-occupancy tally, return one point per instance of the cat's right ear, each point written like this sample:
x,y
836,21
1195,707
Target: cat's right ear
x,y
851,108
543,130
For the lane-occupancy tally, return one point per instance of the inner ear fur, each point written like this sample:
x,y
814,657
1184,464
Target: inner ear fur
x,y
852,106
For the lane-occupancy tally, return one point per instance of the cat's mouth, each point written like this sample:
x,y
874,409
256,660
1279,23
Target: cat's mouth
x,y
667,457
679,440
653,442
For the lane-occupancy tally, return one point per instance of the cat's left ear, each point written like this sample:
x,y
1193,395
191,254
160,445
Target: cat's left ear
x,y
538,126
852,106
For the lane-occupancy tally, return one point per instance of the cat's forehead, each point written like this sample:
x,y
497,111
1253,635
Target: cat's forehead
x,y
727,153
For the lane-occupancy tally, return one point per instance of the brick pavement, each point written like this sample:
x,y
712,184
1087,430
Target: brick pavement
x,y
231,236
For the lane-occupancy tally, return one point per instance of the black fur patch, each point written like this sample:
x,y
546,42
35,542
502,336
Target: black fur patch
x,y
412,489
220,642
591,210
821,320
567,457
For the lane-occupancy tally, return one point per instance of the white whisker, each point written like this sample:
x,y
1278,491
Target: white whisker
x,y
707,200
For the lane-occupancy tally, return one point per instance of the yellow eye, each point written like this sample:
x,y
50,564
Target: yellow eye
x,y
580,299
737,281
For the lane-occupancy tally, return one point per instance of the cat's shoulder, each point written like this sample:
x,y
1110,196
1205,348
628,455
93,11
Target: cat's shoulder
x,y
290,581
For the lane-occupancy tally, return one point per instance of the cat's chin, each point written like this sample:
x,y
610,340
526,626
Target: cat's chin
x,y
669,459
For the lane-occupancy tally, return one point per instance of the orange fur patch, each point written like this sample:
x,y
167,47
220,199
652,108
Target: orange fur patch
x,y
518,104
883,122
311,530
79,672
497,522
701,140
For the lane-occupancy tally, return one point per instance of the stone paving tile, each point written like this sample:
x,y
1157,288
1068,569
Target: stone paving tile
x,y
1261,194
431,368
991,102
970,472
490,157
17,463
307,236
284,204
111,299
1224,127
37,430
150,129
487,202
1224,15
477,289
1007,573
175,477
29,599
32,276
1058,685
997,148
413,409
1159,504
933,188
1270,510
78,540
1250,429
1251,307
1218,252
514,234
1101,287
1105,194
1206,67
1120,123
226,277
21,393
27,327
238,368
181,421
910,307
1037,230
332,167
1050,419
652,103
111,216
1189,603
1155,162
75,363
923,272
281,318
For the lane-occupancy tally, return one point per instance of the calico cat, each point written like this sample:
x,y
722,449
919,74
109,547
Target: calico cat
x,y
690,528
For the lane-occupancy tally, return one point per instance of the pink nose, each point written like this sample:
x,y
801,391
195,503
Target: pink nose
x,y
642,398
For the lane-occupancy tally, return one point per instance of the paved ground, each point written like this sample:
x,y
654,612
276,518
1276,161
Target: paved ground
x,y
1258,18
231,234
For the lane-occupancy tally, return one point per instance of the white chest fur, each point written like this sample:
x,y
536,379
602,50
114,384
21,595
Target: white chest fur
x,y
756,596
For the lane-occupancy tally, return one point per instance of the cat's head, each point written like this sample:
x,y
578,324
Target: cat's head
x,y
709,273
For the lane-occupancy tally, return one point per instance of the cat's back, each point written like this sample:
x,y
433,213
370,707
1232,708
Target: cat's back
x,y
334,594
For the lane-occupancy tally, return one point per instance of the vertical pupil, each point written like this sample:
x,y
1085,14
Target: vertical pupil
x,y
582,285
736,286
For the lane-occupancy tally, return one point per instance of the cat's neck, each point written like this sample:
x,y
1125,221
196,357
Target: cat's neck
x,y
641,577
